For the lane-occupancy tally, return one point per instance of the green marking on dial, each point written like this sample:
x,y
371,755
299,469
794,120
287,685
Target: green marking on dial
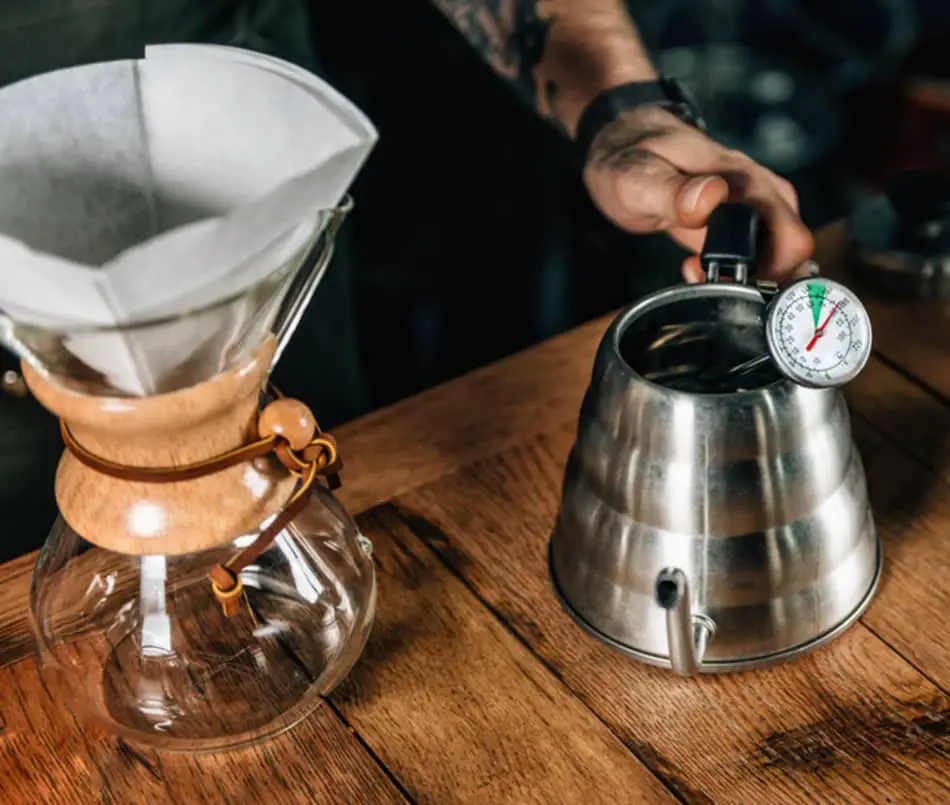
x,y
816,296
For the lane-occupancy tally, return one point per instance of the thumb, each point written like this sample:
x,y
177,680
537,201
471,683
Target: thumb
x,y
649,194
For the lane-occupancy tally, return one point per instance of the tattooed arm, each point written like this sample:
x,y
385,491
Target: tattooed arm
x,y
558,53
647,171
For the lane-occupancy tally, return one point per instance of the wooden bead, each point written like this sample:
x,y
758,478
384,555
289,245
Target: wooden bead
x,y
290,419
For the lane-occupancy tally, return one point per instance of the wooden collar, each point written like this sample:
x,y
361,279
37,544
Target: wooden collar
x,y
285,427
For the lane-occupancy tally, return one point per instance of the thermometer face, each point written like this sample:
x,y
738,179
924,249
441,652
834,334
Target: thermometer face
x,y
819,333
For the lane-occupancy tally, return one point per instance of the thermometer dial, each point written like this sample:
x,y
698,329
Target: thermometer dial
x,y
819,333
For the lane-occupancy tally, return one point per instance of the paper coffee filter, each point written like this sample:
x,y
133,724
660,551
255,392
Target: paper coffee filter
x,y
141,187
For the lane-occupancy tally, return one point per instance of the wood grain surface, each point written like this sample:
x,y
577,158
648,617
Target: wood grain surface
x,y
16,639
47,755
458,708
476,687
739,738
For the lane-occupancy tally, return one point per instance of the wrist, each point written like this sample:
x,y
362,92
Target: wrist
x,y
584,55
583,74
652,106
575,97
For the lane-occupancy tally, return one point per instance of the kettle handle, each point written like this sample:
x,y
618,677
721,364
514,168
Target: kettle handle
x,y
734,243
687,634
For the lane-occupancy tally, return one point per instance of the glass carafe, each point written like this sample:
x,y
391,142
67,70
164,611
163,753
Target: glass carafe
x,y
129,623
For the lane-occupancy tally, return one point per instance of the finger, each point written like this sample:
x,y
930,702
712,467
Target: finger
x,y
690,239
788,243
787,190
644,193
697,199
695,203
804,271
694,152
692,270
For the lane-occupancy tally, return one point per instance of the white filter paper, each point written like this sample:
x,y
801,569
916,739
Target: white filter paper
x,y
140,188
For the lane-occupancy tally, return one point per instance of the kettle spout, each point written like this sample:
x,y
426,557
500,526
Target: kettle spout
x,y
687,634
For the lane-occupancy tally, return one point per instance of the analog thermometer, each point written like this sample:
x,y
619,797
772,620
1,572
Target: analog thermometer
x,y
818,333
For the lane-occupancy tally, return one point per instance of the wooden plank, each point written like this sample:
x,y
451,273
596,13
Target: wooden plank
x,y
16,640
904,413
904,435
48,757
459,710
448,427
912,334
851,722
912,509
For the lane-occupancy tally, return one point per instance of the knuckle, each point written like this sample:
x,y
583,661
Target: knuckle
x,y
800,243
740,158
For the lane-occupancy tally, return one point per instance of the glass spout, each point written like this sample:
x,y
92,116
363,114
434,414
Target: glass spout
x,y
307,278
687,634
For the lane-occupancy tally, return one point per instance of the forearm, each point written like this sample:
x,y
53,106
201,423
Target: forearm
x,y
558,53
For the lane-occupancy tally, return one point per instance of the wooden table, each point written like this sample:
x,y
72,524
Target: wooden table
x,y
475,686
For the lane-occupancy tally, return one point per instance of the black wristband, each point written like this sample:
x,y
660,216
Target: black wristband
x,y
666,93
531,33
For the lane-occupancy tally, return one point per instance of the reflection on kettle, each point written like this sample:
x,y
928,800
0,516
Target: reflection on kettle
x,y
710,525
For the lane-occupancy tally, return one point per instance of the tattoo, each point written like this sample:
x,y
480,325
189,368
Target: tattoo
x,y
508,34
620,145
557,53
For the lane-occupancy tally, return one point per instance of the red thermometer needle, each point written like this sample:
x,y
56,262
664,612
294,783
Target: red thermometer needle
x,y
821,330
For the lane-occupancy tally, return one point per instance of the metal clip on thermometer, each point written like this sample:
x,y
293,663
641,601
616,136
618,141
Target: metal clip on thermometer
x,y
817,330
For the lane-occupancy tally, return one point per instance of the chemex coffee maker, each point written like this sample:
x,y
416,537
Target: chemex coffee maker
x,y
714,513
203,588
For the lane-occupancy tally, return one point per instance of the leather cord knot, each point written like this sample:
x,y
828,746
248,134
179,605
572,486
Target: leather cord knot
x,y
286,428
321,450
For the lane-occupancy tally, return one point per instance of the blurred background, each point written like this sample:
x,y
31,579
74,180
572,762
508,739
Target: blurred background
x,y
472,236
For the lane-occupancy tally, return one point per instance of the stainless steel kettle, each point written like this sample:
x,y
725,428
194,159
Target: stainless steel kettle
x,y
710,525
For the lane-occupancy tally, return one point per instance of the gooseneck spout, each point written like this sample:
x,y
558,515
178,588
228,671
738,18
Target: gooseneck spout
x,y
687,634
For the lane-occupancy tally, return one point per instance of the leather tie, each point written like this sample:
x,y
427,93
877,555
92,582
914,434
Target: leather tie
x,y
285,427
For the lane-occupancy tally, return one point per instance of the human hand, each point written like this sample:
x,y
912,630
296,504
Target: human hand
x,y
650,172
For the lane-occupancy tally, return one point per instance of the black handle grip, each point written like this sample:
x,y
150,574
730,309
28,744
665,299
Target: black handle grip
x,y
733,243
